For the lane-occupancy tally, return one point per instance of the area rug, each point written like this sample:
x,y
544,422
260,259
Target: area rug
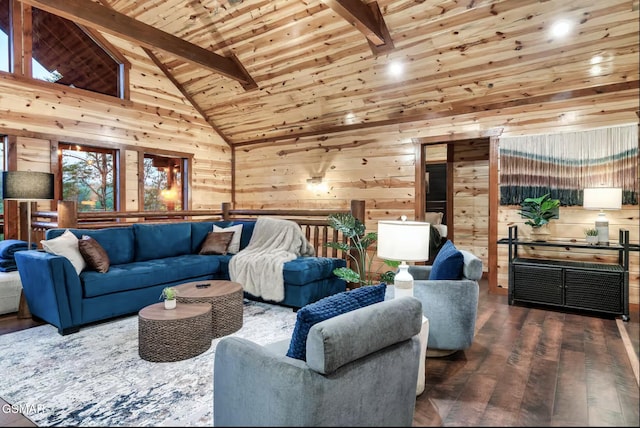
x,y
96,378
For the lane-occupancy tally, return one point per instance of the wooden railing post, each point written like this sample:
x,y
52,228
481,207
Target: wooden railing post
x,y
67,214
357,210
226,207
23,229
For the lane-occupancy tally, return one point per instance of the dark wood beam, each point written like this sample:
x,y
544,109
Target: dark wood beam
x,y
186,94
367,19
108,20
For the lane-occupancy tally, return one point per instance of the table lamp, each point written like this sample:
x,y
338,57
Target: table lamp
x,y
404,241
602,198
27,186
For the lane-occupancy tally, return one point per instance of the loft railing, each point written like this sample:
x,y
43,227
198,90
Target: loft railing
x,y
314,223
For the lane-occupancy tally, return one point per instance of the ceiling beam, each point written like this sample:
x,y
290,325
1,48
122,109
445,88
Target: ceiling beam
x,y
117,24
367,19
186,94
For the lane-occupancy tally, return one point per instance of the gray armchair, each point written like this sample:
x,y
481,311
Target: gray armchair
x,y
361,370
450,305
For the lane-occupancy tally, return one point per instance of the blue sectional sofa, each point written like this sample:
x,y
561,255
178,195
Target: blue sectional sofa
x,y
145,258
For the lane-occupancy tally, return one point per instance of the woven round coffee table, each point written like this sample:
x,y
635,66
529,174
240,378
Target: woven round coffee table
x,y
166,335
225,298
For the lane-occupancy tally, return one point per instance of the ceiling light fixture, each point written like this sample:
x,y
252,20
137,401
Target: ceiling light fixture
x,y
395,68
561,28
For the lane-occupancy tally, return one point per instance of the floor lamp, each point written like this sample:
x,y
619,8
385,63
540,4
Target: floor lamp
x,y
403,241
27,186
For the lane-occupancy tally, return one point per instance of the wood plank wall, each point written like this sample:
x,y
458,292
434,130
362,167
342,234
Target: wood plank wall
x,y
375,164
157,116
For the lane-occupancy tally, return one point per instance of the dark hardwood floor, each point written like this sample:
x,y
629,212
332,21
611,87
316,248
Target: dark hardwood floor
x,y
527,367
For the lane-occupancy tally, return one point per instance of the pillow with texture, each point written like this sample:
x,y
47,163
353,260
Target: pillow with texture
x,y
216,243
234,245
369,294
93,253
448,263
433,217
330,307
66,245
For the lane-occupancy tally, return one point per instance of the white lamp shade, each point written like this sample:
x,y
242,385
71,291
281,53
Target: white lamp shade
x,y
403,240
602,198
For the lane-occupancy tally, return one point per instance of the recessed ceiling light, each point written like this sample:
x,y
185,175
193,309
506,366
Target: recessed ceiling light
x,y
396,68
595,70
561,28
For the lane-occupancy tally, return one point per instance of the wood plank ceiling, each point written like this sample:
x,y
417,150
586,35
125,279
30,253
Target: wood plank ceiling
x,y
308,67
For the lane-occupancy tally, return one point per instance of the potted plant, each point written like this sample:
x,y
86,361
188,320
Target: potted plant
x,y
357,248
169,296
591,236
538,211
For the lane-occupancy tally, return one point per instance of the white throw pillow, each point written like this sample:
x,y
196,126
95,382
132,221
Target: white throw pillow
x,y
66,245
234,245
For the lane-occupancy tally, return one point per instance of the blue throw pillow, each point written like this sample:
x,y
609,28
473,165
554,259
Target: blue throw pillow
x,y
368,295
330,307
448,263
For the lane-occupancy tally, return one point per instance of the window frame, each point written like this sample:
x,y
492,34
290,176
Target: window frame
x,y
115,152
185,160
20,51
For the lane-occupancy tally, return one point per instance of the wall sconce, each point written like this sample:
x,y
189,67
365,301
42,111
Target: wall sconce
x,y
602,198
315,184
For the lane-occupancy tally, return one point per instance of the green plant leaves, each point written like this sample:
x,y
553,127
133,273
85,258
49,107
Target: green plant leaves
x,y
539,210
347,274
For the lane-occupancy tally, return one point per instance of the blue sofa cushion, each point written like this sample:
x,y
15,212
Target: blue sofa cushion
x,y
448,263
116,241
303,270
330,307
145,274
157,241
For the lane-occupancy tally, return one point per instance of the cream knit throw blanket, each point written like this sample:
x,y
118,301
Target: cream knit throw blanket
x,y
258,267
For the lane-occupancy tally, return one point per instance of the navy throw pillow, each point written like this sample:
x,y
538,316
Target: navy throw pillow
x,y
330,307
448,263
369,294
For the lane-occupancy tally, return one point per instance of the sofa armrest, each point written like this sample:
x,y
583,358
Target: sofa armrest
x,y
52,288
249,378
420,272
472,267
451,307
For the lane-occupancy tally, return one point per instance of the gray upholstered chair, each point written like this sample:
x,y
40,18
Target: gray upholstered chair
x,y
361,370
450,305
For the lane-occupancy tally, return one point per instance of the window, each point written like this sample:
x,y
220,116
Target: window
x,y
88,176
163,183
4,35
61,51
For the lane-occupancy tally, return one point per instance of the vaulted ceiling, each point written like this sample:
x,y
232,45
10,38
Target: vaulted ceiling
x,y
275,70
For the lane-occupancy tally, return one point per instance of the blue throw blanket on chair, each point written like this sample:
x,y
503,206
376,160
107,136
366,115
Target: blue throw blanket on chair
x,y
8,247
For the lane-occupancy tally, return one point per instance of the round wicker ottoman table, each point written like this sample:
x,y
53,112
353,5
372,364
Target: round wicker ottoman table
x,y
225,297
166,335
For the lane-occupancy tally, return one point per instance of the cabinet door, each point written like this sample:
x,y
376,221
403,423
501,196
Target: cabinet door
x,y
537,283
592,289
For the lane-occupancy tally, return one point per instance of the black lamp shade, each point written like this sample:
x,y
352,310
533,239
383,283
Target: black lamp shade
x,y
27,185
